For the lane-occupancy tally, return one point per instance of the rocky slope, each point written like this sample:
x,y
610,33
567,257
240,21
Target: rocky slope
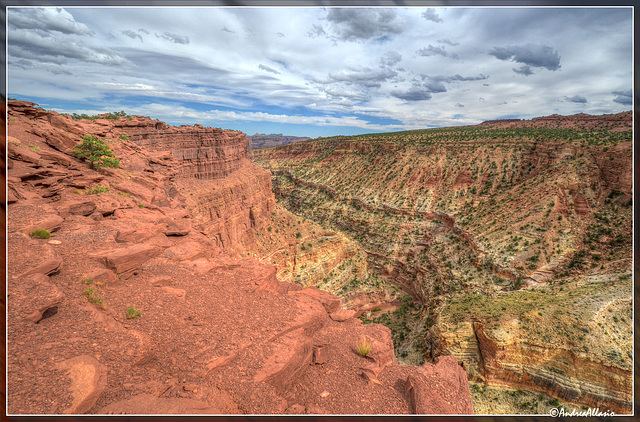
x,y
141,301
473,215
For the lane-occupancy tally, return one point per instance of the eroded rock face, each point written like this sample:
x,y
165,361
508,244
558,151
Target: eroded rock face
x,y
204,153
492,209
166,320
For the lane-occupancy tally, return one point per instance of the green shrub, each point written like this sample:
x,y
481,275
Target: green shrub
x,y
132,312
124,137
90,293
96,190
96,152
40,234
140,205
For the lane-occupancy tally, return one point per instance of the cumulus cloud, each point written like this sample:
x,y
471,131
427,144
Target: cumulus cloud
x,y
623,97
415,93
576,99
174,38
363,24
144,31
366,77
316,31
422,90
431,15
268,69
131,34
47,19
525,70
58,49
529,55
447,41
391,58
435,51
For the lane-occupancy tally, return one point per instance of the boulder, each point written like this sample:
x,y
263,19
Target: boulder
x,y
48,267
439,389
342,315
88,381
35,295
82,208
127,261
51,224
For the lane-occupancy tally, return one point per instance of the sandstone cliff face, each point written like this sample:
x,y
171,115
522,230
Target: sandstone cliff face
x,y
204,153
489,209
134,306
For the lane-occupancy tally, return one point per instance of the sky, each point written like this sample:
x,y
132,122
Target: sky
x,y
313,71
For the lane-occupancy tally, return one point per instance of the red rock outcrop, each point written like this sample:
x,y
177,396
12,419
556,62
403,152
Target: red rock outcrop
x,y
165,320
204,153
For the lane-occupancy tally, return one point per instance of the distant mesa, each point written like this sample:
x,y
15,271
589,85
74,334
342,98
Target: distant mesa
x,y
261,140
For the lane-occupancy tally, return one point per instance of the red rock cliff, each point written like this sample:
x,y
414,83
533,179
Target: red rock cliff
x,y
205,153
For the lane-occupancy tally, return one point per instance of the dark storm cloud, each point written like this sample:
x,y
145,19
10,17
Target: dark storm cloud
x,y
363,24
391,58
174,38
459,105
225,29
47,19
131,34
576,99
623,97
58,49
144,31
268,69
529,55
432,15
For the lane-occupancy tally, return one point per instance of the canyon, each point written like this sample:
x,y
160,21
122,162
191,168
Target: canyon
x,y
174,283
511,239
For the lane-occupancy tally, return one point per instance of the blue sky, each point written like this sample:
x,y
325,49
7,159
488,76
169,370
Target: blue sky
x,y
312,71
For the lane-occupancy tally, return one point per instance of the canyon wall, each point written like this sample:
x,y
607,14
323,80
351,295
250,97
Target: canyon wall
x,y
204,153
494,210
135,303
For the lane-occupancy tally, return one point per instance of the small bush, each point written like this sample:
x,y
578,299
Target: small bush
x,y
127,195
124,137
40,234
87,280
132,312
90,293
140,205
96,190
363,346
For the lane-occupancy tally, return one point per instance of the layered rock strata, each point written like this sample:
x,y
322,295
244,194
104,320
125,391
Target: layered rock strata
x,y
491,209
158,319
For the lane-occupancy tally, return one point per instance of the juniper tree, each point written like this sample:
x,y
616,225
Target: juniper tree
x,y
96,152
